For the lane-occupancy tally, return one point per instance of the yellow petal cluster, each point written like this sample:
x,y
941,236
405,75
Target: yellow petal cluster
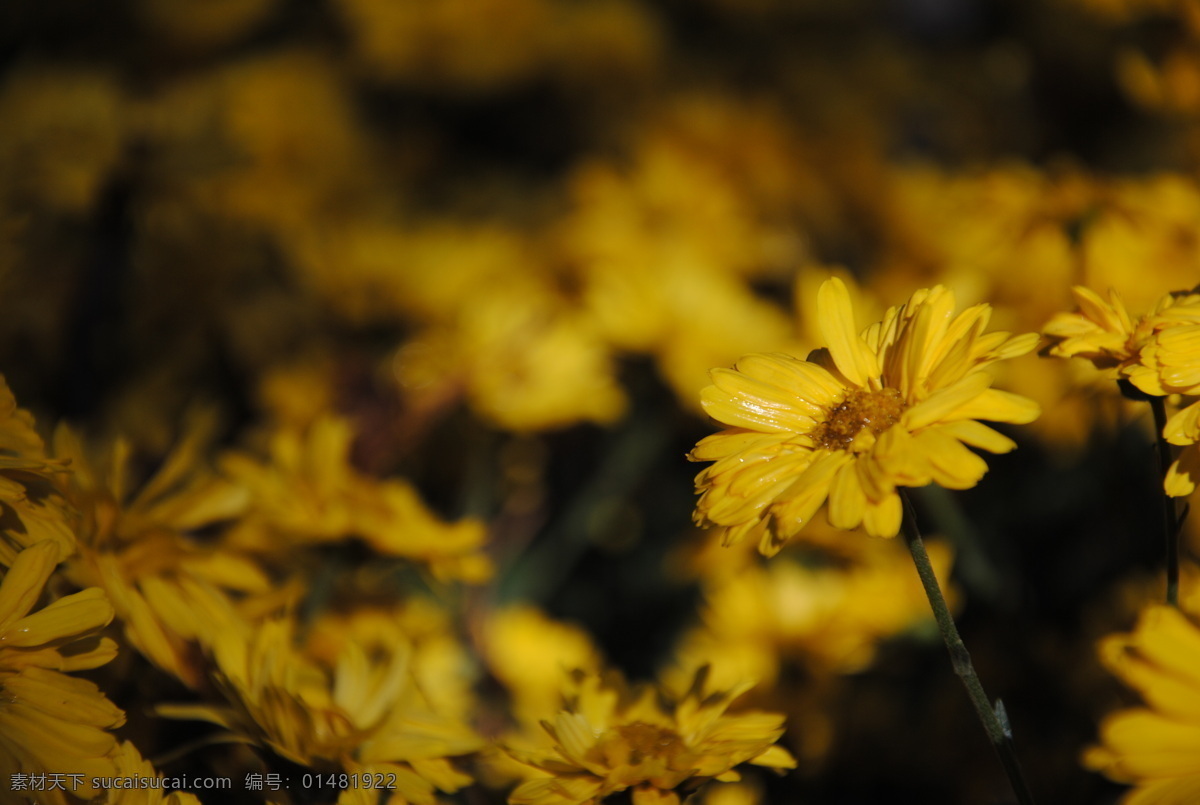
x,y
363,712
1105,334
51,722
610,738
1158,353
1156,747
169,590
894,405
827,619
27,486
307,492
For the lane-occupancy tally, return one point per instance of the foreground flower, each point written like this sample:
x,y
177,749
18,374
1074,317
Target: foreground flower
x,y
364,713
171,592
1157,747
50,722
894,406
610,739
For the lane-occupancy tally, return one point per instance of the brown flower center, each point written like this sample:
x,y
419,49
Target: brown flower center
x,y
647,740
875,411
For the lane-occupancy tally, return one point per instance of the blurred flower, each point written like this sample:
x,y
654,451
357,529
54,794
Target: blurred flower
x,y
455,42
524,361
731,794
530,653
1139,237
1105,334
363,711
69,139
33,509
611,739
1172,362
51,722
1159,353
130,764
441,667
665,242
895,406
828,618
270,141
307,493
136,544
202,24
1156,748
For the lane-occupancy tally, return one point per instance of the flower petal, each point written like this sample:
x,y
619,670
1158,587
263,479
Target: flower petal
x,y
851,354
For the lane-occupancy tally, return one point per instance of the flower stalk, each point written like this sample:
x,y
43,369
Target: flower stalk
x,y
998,732
1171,521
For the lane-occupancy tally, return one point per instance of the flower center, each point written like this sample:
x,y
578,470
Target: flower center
x,y
875,411
647,740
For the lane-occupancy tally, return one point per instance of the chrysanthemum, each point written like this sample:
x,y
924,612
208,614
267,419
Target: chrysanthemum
x,y
27,495
307,492
829,619
1158,353
1131,349
610,739
365,713
894,406
1157,747
1101,332
50,722
170,591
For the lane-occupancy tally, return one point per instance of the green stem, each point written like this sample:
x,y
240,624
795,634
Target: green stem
x,y
1171,524
960,658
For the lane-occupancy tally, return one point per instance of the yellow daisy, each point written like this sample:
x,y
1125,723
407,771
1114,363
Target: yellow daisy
x,y
1158,353
611,739
891,407
308,492
1156,748
1145,351
364,712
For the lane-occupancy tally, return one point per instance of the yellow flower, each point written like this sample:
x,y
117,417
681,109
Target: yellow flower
x,y
134,543
1101,332
893,406
1171,364
363,712
1115,342
307,492
1157,747
529,653
50,722
828,618
1158,353
611,739
27,492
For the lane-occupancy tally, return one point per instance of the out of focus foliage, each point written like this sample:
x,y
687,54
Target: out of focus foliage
x,y
353,349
